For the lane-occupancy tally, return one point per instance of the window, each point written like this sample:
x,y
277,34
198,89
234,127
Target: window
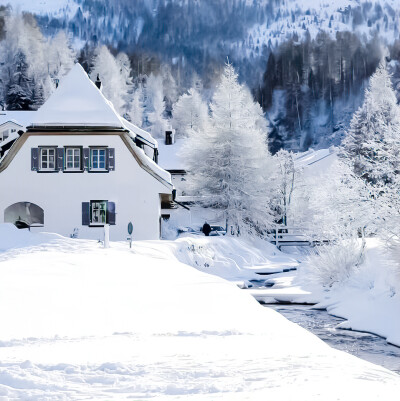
x,y
13,130
73,159
5,134
98,212
98,159
47,159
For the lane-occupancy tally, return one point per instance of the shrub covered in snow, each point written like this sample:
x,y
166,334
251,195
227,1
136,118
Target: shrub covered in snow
x,y
333,264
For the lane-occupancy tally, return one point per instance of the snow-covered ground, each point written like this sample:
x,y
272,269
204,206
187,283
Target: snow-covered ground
x,y
80,322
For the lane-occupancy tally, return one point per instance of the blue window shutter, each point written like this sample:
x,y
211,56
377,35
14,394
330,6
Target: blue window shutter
x,y
86,159
85,213
111,214
110,159
60,159
34,159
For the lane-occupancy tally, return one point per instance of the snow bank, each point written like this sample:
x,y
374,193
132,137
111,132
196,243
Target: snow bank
x,y
82,322
228,257
369,299
11,238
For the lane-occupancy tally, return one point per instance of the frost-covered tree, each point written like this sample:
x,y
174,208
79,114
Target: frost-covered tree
x,y
284,184
228,162
113,78
374,131
154,106
333,203
136,107
45,59
170,88
61,56
190,113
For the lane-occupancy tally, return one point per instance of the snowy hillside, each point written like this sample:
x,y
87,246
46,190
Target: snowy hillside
x,y
294,18
55,8
276,20
306,62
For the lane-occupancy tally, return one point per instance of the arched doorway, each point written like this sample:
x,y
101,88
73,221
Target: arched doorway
x,y
24,215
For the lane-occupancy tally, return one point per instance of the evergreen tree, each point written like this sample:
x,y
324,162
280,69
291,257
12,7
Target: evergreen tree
x,y
228,162
375,131
19,92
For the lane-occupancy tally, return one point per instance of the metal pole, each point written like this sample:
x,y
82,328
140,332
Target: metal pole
x,y
106,235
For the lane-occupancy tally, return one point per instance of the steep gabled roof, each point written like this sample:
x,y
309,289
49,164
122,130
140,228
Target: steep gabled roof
x,y
77,106
77,102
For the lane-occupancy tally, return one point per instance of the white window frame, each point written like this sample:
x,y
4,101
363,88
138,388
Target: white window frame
x,y
46,152
75,152
95,153
95,209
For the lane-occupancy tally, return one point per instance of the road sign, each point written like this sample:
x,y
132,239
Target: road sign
x,y
130,228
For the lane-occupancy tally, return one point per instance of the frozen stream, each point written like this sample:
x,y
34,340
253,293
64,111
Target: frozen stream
x,y
363,345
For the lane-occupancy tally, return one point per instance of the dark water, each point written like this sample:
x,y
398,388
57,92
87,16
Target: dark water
x,y
363,345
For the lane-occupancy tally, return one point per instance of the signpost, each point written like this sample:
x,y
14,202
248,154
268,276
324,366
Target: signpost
x,y
130,231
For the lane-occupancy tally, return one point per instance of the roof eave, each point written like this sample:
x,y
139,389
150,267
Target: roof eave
x,y
73,128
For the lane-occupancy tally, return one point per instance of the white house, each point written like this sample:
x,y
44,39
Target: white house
x,y
80,166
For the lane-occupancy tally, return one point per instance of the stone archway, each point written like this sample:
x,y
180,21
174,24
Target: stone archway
x,y
24,215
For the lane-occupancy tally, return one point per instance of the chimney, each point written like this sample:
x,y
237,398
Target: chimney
x,y
98,82
170,137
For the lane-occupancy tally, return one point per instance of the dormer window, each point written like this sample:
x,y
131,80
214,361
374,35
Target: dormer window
x,y
47,159
98,159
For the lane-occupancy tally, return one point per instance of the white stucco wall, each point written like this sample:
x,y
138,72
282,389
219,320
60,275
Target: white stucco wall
x,y
135,192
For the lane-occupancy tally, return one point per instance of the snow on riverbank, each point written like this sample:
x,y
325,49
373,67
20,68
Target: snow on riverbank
x,y
82,322
369,299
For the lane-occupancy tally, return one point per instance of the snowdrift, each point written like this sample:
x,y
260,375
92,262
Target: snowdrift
x,y
12,238
228,257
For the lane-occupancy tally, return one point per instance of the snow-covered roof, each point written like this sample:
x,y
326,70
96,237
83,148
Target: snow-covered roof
x,y
142,134
311,157
315,163
170,155
77,102
21,118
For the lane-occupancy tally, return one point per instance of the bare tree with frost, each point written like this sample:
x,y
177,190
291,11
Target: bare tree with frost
x,y
113,77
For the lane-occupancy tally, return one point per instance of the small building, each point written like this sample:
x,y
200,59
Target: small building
x,y
12,124
80,165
